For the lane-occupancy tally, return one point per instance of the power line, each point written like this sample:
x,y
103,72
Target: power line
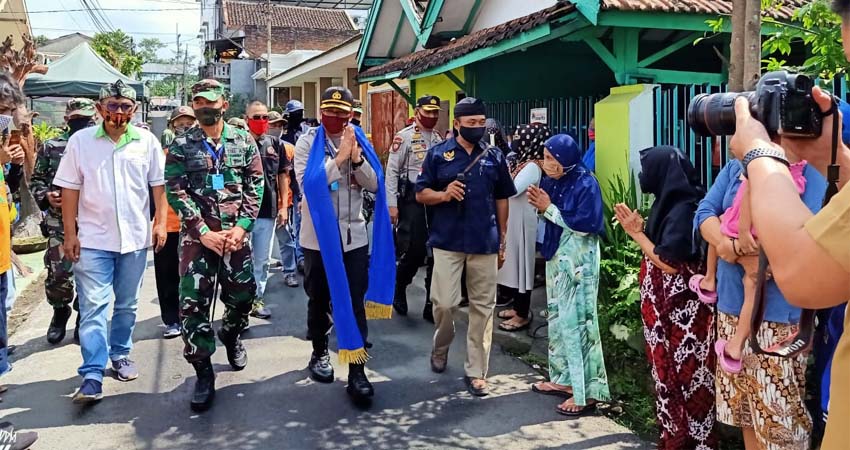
x,y
98,31
105,9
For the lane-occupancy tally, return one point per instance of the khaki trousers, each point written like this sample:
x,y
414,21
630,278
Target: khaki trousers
x,y
445,295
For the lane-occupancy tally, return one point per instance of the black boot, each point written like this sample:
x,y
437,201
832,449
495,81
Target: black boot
x,y
428,312
359,386
400,301
77,329
56,330
320,367
204,392
236,354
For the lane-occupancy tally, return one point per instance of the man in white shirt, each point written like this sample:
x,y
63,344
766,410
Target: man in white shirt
x,y
104,176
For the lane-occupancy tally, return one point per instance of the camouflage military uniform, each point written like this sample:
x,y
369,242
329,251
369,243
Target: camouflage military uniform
x,y
59,285
189,173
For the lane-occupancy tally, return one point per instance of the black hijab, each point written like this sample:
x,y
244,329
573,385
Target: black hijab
x,y
671,178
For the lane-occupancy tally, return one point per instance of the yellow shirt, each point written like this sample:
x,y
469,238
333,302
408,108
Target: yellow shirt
x,y
831,229
5,228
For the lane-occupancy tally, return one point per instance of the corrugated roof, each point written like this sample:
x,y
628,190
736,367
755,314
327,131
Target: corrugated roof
x,y
63,44
423,60
254,13
784,11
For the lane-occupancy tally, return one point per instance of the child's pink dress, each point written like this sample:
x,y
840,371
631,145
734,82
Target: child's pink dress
x,y
729,219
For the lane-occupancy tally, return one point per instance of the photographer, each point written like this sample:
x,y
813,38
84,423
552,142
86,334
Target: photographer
x,y
815,271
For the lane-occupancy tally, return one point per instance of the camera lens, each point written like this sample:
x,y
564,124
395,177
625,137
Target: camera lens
x,y
713,114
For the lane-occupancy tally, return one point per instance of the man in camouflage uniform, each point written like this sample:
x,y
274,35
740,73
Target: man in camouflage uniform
x,y
214,180
59,285
408,150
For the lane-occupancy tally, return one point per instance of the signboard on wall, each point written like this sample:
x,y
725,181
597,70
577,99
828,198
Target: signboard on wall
x,y
539,115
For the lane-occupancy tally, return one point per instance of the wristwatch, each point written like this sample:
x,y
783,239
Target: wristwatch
x,y
754,154
356,165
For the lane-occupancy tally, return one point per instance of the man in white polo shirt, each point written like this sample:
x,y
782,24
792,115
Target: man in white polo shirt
x,y
104,176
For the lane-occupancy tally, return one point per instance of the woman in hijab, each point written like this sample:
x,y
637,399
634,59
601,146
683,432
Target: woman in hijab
x,y
678,327
516,277
495,136
570,200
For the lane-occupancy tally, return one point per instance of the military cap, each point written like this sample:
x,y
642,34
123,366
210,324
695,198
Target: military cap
x,y
181,111
275,117
294,105
79,107
337,97
237,122
358,107
117,89
429,103
209,89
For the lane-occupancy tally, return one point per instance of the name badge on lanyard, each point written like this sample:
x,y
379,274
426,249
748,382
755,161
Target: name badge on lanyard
x,y
217,177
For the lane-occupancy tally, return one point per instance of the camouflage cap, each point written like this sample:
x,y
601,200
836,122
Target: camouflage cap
x,y
238,123
117,89
181,111
79,107
275,117
209,89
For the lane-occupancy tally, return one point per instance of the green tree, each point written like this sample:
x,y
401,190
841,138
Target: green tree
x,y
819,29
40,40
117,48
147,50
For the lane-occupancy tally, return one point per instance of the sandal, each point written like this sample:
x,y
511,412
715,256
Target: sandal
x,y
477,391
506,314
726,362
511,328
554,392
585,410
707,297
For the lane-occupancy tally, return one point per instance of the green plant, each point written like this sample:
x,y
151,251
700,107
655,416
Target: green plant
x,y
44,132
117,48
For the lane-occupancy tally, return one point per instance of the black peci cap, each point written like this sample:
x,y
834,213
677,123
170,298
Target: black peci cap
x,y
470,106
337,97
429,103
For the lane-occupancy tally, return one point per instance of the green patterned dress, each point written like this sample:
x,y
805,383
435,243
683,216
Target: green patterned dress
x,y
572,284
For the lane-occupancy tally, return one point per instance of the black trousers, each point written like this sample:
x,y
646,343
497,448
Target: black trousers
x,y
319,307
522,301
167,271
411,244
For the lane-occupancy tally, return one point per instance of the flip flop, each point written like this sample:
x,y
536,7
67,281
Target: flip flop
x,y
585,410
553,392
707,297
726,362
502,315
513,328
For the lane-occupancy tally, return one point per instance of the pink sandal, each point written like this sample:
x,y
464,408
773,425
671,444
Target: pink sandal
x,y
727,363
707,297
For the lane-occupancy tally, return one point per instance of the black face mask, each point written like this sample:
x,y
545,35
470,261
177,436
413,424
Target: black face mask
x,y
78,124
355,122
208,116
472,134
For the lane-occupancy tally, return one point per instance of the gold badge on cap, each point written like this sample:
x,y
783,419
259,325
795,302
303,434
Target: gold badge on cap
x,y
433,101
336,95
449,155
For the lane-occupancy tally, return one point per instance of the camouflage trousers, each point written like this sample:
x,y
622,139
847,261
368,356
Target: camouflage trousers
x,y
59,285
200,267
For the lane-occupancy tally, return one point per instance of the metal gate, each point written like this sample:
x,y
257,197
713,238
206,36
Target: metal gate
x,y
564,115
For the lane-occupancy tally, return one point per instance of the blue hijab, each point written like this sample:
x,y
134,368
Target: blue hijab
x,y
379,295
576,195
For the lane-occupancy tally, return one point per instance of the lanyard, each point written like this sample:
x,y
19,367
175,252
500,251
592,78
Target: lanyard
x,y
216,156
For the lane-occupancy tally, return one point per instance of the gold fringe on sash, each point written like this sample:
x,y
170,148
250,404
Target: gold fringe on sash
x,y
375,310
358,356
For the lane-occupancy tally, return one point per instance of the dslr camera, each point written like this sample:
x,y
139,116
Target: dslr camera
x,y
781,101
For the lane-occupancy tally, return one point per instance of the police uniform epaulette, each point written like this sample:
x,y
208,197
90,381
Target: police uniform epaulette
x,y
409,127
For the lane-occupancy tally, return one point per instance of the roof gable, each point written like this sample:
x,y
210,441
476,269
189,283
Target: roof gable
x,y
64,44
783,11
242,13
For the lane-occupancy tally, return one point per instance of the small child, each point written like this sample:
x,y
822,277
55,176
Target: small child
x,y
736,224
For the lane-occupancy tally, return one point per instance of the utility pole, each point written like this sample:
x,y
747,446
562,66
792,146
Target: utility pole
x,y
268,49
184,97
179,89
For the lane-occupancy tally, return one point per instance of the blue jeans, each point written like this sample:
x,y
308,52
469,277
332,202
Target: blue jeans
x,y
4,338
99,275
290,249
262,236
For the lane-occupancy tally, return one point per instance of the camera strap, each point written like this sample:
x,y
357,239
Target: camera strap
x,y
800,341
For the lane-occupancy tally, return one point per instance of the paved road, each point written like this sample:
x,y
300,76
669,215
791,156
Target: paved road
x,y
274,405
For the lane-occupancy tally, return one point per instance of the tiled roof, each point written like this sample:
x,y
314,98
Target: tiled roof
x,y
784,11
423,60
243,13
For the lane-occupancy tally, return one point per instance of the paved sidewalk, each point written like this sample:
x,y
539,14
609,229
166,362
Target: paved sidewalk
x,y
274,405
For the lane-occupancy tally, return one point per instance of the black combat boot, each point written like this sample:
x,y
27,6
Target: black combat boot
x,y
236,354
320,367
56,330
400,300
204,392
77,329
359,387
428,311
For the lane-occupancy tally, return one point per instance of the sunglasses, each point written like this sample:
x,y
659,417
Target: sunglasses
x,y
260,117
123,107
